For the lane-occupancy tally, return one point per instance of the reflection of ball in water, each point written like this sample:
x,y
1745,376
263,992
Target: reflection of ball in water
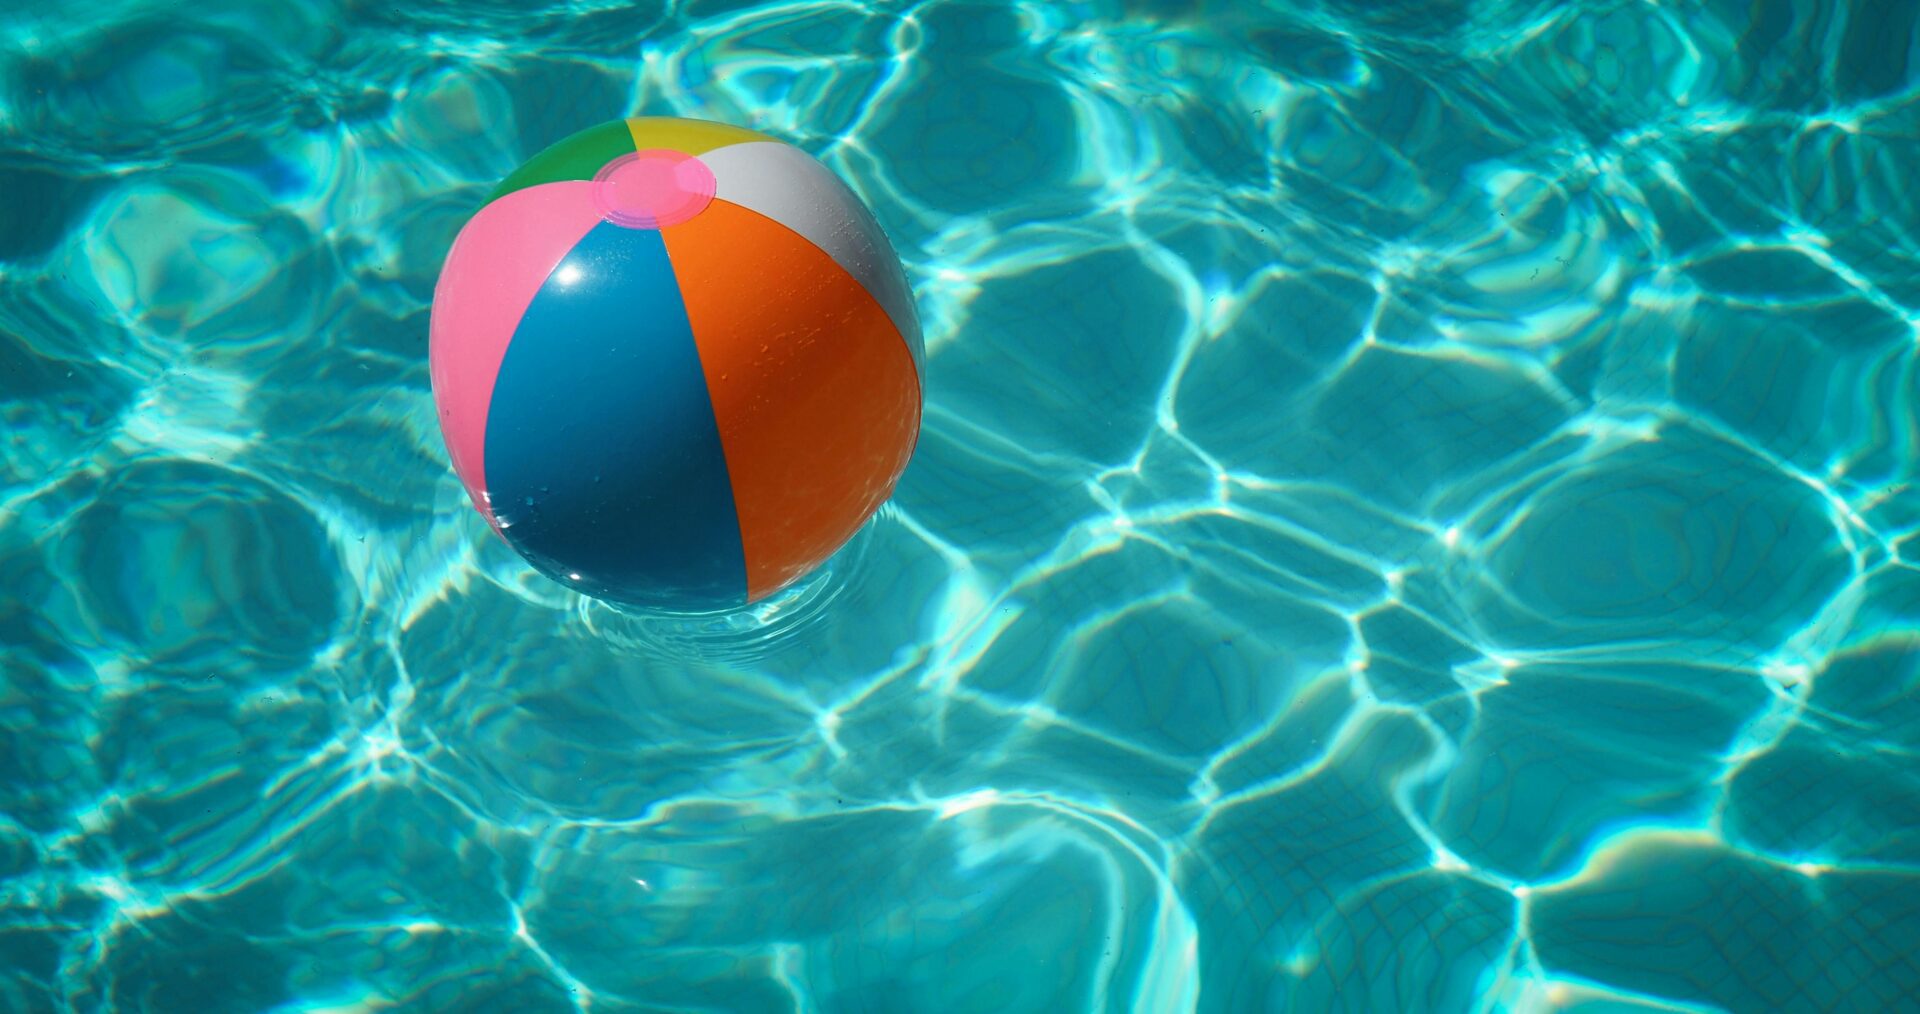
x,y
676,363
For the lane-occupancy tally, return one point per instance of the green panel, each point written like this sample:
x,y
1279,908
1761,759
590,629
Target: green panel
x,y
576,157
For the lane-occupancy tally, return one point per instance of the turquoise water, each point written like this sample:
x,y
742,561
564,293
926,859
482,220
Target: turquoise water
x,y
1415,513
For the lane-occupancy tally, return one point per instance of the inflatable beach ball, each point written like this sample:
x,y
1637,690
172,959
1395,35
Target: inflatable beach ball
x,y
676,363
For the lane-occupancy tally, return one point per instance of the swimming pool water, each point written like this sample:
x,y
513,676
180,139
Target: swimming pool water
x,y
1415,513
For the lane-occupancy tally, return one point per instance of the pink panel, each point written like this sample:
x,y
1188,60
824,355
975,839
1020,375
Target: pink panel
x,y
497,265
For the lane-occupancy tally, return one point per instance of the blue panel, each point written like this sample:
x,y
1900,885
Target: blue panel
x,y
603,457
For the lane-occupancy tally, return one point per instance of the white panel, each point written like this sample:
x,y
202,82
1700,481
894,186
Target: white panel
x,y
787,185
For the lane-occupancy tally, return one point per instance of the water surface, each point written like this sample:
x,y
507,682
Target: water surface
x,y
1415,513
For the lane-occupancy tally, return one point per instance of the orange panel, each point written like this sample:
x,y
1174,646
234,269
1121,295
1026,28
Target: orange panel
x,y
813,388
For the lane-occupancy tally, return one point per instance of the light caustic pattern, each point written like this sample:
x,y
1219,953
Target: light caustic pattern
x,y
1414,513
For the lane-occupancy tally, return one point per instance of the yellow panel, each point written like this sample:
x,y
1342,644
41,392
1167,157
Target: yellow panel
x,y
690,136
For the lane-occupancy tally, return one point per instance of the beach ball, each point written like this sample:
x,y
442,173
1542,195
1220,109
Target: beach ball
x,y
676,363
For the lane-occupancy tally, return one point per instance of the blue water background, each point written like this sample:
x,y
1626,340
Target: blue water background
x,y
1415,513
